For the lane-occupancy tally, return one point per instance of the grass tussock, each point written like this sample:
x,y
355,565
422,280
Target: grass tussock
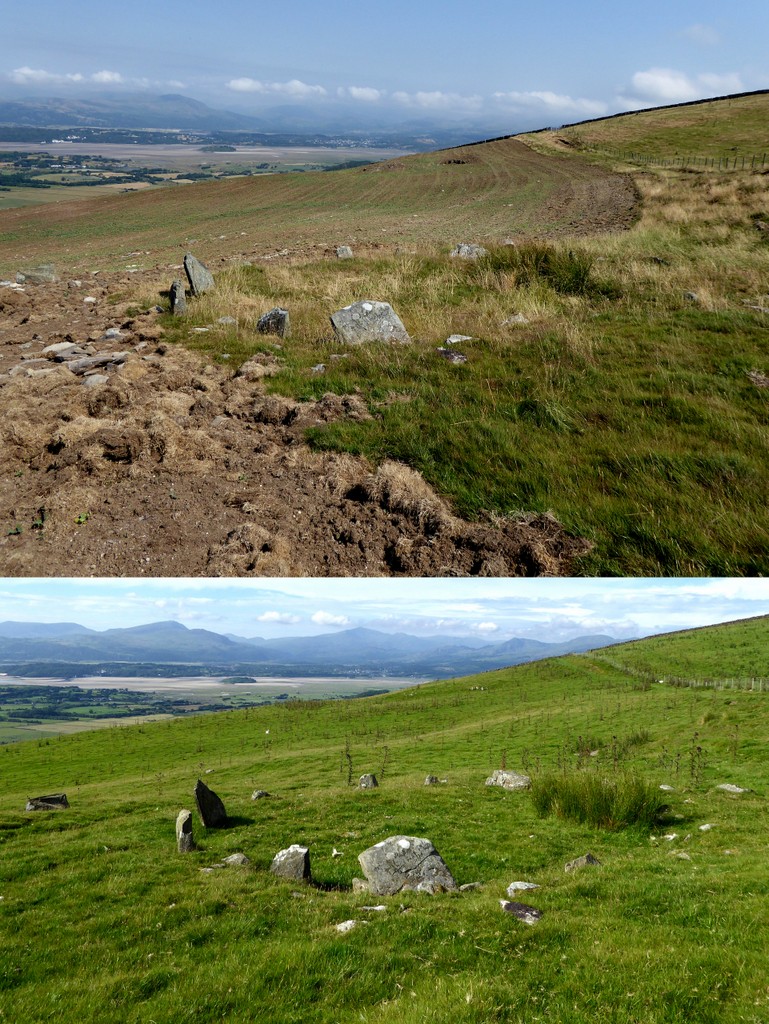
x,y
612,803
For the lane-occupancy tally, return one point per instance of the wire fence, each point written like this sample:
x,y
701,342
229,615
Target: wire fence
x,y
752,684
748,162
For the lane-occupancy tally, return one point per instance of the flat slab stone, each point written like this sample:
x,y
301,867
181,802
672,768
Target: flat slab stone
x,y
200,277
729,787
368,321
525,913
405,862
508,780
55,802
520,887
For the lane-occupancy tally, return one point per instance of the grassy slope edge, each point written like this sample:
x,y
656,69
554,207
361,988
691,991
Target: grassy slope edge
x,y
102,921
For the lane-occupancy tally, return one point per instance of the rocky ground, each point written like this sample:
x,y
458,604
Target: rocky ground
x,y
123,455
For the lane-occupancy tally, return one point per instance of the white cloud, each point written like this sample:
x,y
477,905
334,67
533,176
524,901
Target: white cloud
x,y
703,35
294,88
327,619
486,627
107,78
535,99
281,617
667,85
37,76
363,94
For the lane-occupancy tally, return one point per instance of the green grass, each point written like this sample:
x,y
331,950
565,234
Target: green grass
x,y
101,920
585,796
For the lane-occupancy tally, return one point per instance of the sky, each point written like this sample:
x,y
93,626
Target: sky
x,y
507,63
549,610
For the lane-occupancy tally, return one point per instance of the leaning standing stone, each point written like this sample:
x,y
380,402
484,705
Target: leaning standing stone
x,y
184,841
405,862
200,277
178,298
277,321
367,782
292,864
368,321
211,808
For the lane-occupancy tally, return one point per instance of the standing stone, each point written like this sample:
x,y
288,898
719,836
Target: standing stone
x,y
292,864
367,321
184,841
200,277
405,862
508,780
277,321
344,252
367,782
211,808
178,298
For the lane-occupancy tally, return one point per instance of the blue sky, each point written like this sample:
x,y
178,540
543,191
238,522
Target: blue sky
x,y
512,63
545,609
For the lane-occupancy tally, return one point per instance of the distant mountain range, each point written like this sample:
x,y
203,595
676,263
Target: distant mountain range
x,y
32,648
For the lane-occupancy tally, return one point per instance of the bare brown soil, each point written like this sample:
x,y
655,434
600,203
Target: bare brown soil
x,y
171,467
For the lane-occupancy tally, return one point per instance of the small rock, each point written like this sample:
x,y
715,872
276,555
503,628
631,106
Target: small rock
x,y
360,885
456,339
95,380
318,368
184,840
379,908
468,251
59,348
89,299
200,277
452,357
293,864
239,860
344,252
516,318
432,780
56,802
112,333
276,321
346,926
681,855
581,862
44,274
74,284
368,781
728,787
520,887
228,321
259,794
508,780
691,297
471,886
706,827
667,789
529,915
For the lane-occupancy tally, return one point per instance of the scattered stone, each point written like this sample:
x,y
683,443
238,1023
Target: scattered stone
x,y
670,836
210,870
667,789
292,864
405,862
276,321
691,297
761,380
238,860
200,277
178,298
368,782
471,886
74,285
729,787
346,926
56,802
508,780
259,794
468,251
516,318
582,862
520,887
210,807
62,348
456,339
112,333
318,368
86,363
336,853
44,274
368,321
227,321
344,252
432,780
184,840
529,915
706,827
680,855
452,357
95,380
89,299
379,908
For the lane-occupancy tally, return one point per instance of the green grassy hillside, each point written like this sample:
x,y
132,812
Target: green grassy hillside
x,y
103,921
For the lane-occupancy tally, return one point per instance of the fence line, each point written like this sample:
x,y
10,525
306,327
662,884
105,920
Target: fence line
x,y
722,163
753,684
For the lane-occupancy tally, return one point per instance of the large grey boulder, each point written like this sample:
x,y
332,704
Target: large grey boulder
x,y
276,321
211,808
56,802
200,277
368,321
293,864
405,862
508,780
178,298
184,841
